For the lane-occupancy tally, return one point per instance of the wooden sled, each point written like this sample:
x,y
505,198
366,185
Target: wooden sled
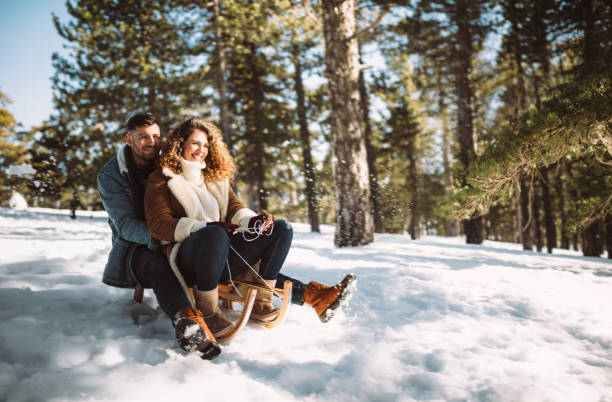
x,y
228,295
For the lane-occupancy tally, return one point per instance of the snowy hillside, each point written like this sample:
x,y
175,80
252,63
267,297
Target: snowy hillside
x,y
433,319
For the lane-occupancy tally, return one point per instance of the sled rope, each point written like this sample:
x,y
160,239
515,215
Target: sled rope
x,y
258,229
254,271
229,271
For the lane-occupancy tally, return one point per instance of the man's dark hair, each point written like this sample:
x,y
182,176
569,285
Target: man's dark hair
x,y
140,120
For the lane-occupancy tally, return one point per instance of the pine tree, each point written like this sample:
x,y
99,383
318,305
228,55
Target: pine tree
x,y
452,33
59,158
308,167
220,73
125,57
255,82
370,151
402,142
572,123
302,26
14,156
354,222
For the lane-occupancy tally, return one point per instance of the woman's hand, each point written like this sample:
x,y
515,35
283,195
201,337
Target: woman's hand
x,y
229,227
262,223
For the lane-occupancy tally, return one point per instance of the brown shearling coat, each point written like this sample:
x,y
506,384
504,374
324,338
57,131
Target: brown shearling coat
x,y
168,209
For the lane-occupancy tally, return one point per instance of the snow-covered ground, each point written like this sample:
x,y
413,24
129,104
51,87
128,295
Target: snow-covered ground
x,y
432,319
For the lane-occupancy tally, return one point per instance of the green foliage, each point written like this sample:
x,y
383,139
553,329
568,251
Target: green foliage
x,y
575,123
60,158
159,56
124,57
14,153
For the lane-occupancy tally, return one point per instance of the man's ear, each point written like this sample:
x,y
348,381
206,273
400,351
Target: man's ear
x,y
128,139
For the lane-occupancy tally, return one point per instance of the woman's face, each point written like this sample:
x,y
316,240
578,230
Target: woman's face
x,y
195,147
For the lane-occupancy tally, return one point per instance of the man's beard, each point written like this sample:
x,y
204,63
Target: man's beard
x,y
146,154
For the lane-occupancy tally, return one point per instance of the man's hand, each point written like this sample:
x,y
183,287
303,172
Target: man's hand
x,y
229,227
262,223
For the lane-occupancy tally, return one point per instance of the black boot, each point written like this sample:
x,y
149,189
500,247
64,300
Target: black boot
x,y
297,292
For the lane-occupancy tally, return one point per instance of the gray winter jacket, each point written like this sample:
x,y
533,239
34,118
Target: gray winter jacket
x,y
129,231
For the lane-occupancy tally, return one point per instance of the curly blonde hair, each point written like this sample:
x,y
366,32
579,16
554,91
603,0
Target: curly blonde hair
x,y
219,163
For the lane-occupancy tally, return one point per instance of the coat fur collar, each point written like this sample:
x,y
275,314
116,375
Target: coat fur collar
x,y
181,189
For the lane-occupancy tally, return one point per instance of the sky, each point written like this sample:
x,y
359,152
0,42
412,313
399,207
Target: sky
x,y
27,41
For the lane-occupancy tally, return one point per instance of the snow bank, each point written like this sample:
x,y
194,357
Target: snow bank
x,y
432,319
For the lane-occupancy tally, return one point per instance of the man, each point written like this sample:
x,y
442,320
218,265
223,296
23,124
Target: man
x,y
135,259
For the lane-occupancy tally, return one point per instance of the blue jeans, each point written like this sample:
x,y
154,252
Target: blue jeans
x,y
203,257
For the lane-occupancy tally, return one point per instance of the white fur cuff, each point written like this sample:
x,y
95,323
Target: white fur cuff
x,y
183,228
242,216
197,226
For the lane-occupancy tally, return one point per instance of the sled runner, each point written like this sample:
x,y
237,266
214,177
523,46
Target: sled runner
x,y
228,294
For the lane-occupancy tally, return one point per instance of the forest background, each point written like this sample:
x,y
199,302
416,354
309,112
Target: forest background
x,y
489,118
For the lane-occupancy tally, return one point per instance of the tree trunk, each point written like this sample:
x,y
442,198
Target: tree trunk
x,y
609,235
451,224
415,207
257,126
592,239
574,196
559,188
526,223
354,221
465,110
527,192
226,127
517,222
309,176
371,153
575,242
591,46
549,218
537,224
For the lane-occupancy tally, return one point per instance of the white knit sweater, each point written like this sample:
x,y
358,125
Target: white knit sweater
x,y
192,172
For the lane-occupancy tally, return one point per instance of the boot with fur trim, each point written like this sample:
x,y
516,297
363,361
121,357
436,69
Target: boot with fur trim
x,y
208,303
263,311
325,299
193,335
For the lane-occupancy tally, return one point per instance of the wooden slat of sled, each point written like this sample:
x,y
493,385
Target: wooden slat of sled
x,y
227,295
247,302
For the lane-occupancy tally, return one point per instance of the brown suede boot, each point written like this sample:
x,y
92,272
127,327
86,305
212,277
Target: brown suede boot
x,y
193,335
208,303
325,299
263,311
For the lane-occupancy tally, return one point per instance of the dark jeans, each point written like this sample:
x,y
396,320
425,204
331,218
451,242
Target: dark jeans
x,y
152,270
203,257
297,292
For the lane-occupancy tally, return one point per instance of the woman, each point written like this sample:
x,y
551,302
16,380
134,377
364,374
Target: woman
x,y
191,207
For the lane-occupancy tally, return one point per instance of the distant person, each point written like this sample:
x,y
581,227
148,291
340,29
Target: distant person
x,y
135,257
74,204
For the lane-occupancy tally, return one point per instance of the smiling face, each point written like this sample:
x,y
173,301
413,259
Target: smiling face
x,y
145,143
195,147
